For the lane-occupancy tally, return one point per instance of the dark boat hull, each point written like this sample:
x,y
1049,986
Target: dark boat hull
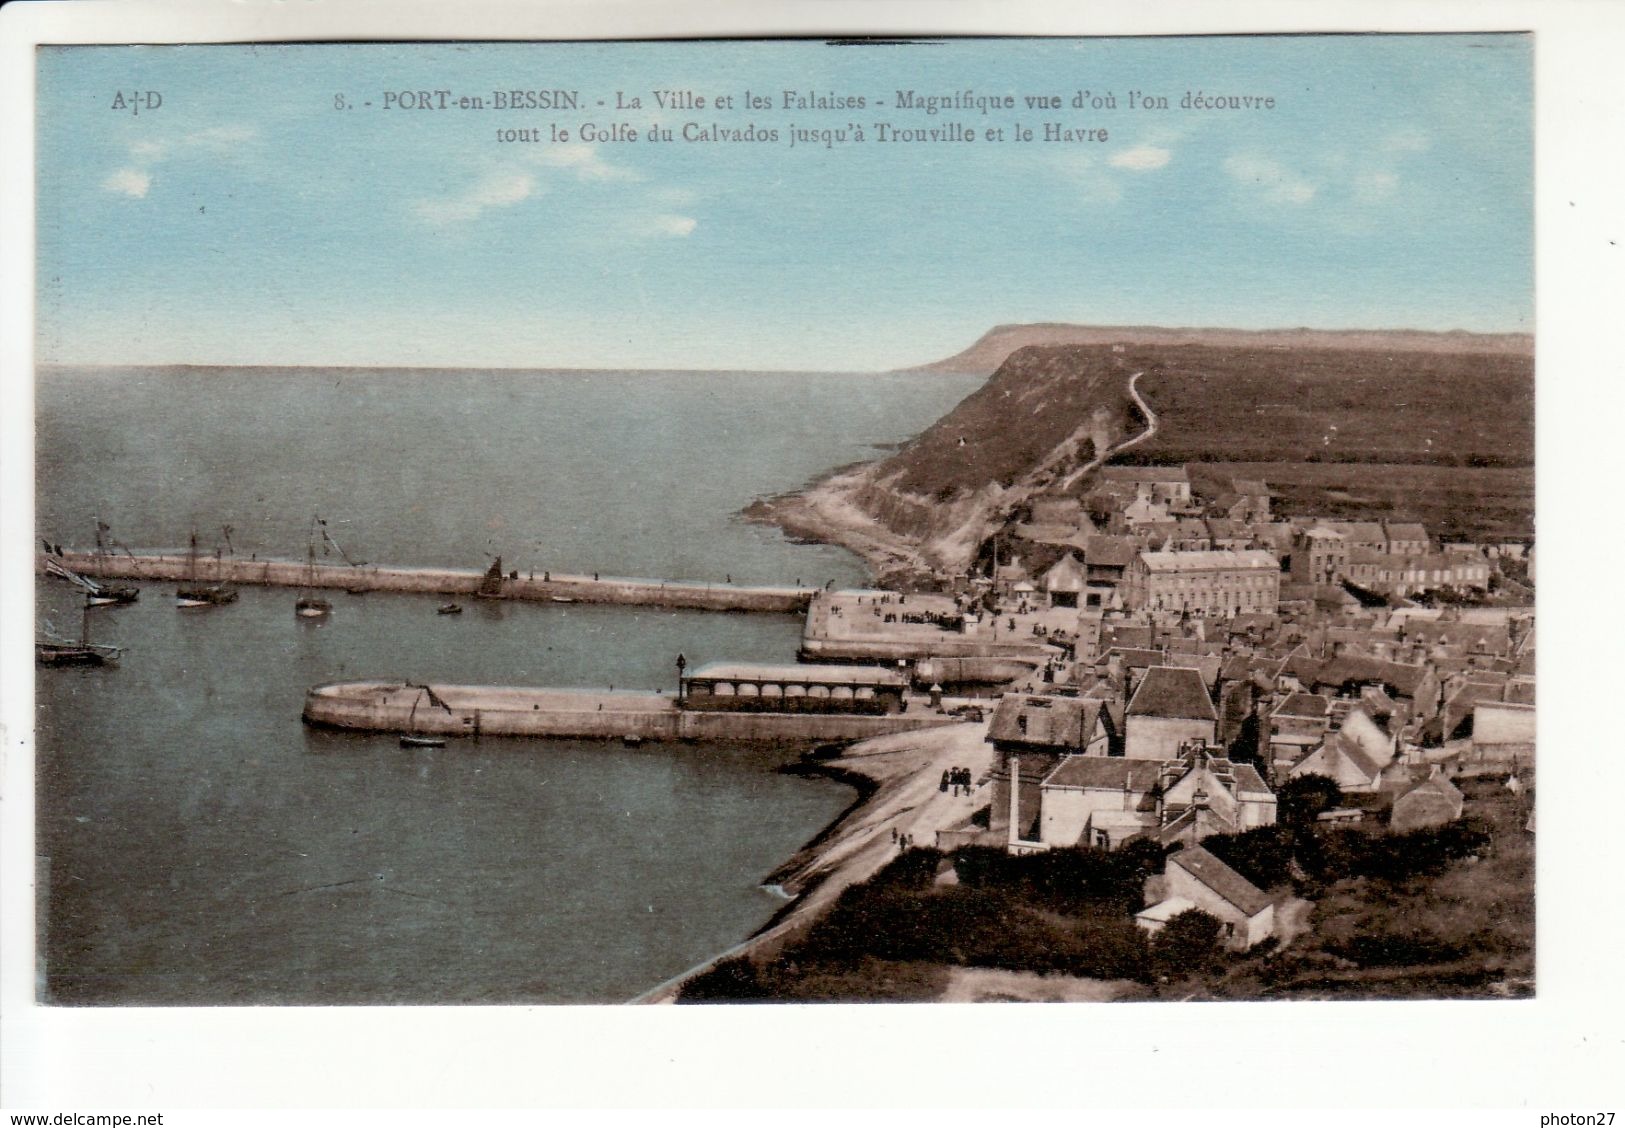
x,y
51,654
212,596
112,597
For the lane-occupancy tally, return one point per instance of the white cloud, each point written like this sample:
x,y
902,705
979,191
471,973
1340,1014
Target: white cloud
x,y
135,179
1278,184
1142,158
498,190
129,182
585,161
1375,184
678,226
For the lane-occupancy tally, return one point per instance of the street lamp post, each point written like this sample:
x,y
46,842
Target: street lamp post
x,y
682,664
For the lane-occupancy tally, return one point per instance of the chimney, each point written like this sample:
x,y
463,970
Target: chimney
x,y
1015,799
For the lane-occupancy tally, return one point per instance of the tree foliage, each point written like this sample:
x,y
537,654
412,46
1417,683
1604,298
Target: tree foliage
x,y
1300,799
1187,943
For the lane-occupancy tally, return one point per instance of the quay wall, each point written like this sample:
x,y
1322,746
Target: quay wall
x,y
440,581
815,647
575,715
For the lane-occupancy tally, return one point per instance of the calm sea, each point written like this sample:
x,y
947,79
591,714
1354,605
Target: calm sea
x,y
205,847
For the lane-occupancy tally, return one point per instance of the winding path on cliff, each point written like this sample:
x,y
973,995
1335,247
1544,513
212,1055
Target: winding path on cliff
x,y
1101,459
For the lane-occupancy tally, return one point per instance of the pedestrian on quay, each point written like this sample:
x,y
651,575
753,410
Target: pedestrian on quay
x,y
944,785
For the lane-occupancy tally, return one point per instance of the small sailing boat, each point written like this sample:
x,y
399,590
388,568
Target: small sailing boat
x,y
310,605
96,595
196,594
53,651
415,739
102,594
329,543
491,583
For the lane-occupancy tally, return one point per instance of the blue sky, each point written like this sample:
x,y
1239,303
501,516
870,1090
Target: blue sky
x,y
249,221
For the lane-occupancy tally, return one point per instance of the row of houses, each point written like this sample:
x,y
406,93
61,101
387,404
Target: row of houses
x,y
1073,771
1182,577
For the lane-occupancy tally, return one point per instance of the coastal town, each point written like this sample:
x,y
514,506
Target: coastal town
x,y
1159,666
1153,669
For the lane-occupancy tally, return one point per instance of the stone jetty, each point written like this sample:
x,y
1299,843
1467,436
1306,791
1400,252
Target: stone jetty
x,y
584,714
534,586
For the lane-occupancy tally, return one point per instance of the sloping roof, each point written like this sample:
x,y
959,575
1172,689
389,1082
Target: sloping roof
x,y
1302,667
1126,635
1486,637
1323,532
1503,724
1060,722
1136,657
1347,668
1066,574
1220,878
1109,773
1376,702
1362,530
1278,533
1406,531
1108,552
1173,691
1248,781
1212,560
1363,732
800,674
1440,786
1341,744
1203,663
1311,706
1250,487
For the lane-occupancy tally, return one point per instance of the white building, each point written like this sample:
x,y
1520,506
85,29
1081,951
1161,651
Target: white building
x,y
1216,582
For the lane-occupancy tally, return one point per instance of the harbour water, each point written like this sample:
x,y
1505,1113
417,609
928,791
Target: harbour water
x,y
204,847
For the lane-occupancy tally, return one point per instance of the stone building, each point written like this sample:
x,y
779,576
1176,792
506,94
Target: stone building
x,y
1031,734
1158,484
1170,708
1195,879
1433,802
1203,583
1320,555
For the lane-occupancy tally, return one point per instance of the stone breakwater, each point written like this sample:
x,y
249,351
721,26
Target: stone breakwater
x,y
573,714
536,587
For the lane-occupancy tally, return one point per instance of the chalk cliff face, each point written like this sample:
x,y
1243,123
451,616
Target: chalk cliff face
x,y
1044,413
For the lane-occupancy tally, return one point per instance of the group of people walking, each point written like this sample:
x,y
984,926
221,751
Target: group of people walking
x,y
956,778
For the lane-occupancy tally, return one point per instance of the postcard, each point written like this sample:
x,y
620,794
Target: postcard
x,y
825,519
